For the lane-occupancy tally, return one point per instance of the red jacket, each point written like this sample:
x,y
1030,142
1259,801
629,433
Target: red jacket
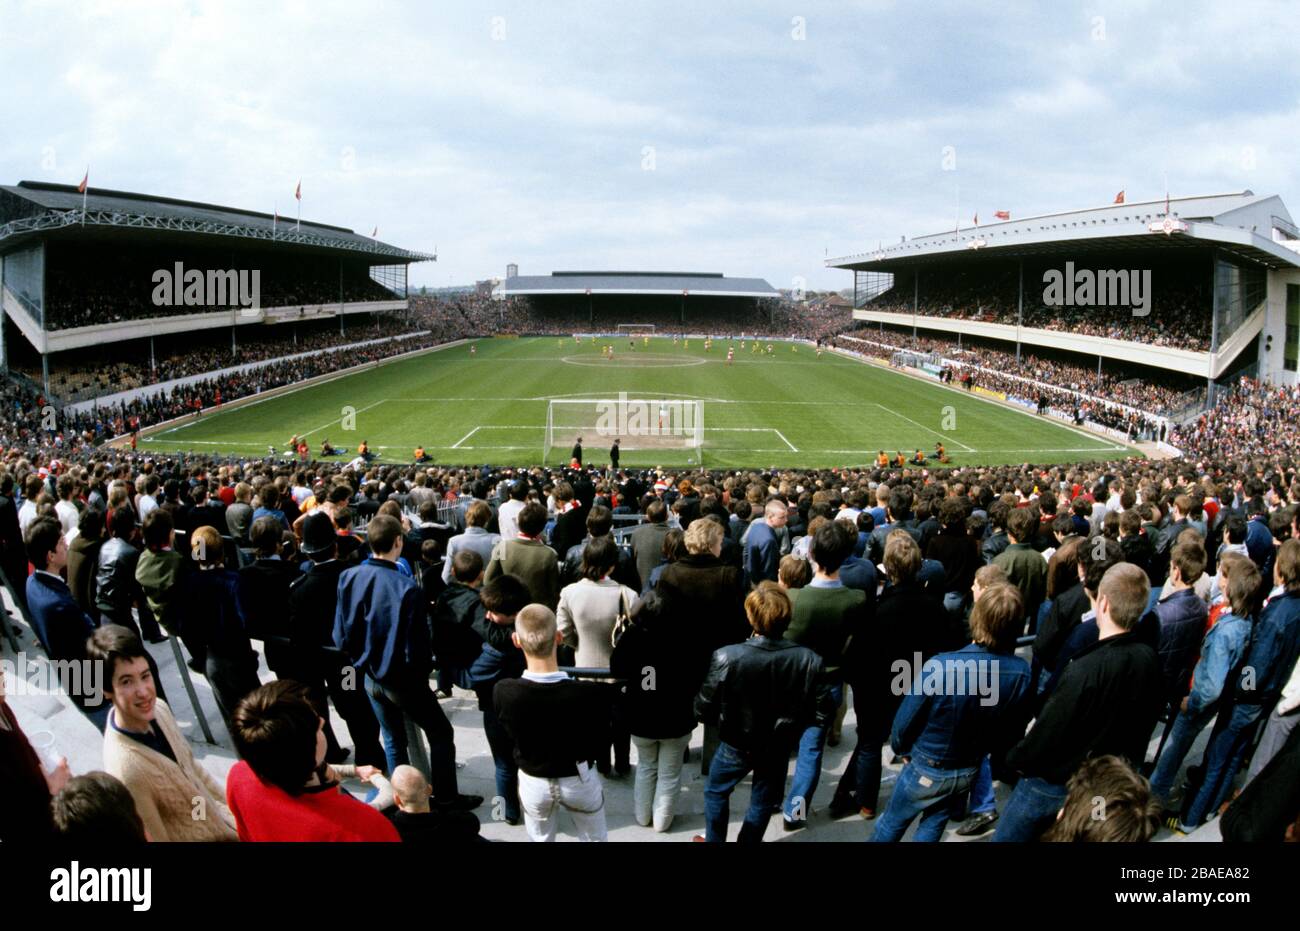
x,y
268,813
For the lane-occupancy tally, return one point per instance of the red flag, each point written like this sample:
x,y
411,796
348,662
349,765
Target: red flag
x,y
1119,198
977,219
81,188
1002,214
297,193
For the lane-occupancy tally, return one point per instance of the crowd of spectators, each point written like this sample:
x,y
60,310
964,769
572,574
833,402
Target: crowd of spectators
x,y
997,371
79,381
1178,316
1251,420
1155,393
766,602
97,302
777,319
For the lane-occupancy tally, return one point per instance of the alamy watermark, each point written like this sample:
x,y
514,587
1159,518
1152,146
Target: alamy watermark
x,y
623,417
974,676
75,883
82,679
1103,288
194,287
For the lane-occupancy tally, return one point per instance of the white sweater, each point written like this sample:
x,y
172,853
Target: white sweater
x,y
176,801
586,616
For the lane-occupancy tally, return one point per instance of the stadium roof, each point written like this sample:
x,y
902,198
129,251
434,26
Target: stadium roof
x,y
36,206
1254,228
704,284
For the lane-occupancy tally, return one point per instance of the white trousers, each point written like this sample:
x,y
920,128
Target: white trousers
x,y
583,797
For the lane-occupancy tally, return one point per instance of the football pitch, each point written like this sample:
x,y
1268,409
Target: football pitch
x,y
788,408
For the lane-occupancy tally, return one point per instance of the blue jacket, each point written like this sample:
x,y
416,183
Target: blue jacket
x,y
1274,648
1182,627
762,553
210,619
382,622
964,705
931,576
860,574
60,624
272,512
1221,652
1259,541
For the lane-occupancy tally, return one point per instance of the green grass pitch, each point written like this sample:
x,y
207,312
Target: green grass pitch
x,y
788,409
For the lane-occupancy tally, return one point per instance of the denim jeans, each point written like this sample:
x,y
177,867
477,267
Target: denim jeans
x,y
1228,744
1044,610
1181,737
982,799
729,767
658,780
583,797
1030,811
394,702
711,741
503,758
808,764
934,794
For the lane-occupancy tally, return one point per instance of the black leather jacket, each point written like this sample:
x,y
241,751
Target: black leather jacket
x,y
762,694
115,584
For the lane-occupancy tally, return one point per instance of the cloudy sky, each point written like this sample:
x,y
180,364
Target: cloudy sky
x,y
746,138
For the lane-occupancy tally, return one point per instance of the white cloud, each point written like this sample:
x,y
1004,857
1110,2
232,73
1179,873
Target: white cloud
x,y
768,149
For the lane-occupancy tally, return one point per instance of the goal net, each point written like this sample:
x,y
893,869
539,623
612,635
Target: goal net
x,y
637,329
674,426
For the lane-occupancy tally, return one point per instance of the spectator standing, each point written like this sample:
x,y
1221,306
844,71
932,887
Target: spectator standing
x,y
557,726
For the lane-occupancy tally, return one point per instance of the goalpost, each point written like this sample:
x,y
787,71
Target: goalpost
x,y
636,329
639,424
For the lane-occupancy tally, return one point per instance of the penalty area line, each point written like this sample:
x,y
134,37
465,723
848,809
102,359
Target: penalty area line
x,y
456,445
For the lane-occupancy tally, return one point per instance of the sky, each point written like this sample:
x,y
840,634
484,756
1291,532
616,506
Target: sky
x,y
753,139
